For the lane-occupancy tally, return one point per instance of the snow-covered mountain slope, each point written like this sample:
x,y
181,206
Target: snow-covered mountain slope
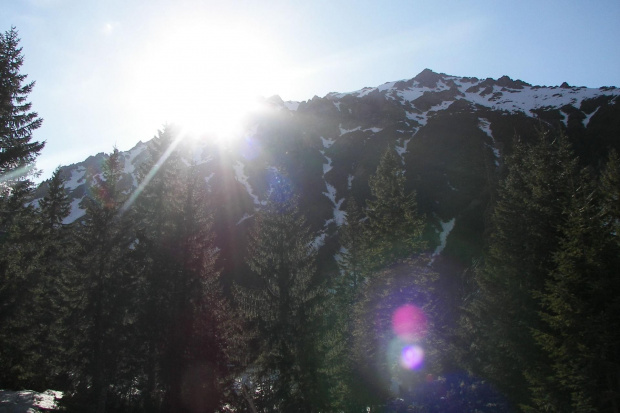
x,y
451,133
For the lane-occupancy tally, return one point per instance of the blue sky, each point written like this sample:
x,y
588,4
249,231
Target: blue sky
x,y
113,72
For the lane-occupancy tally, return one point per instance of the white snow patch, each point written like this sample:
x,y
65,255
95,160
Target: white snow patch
x,y
485,126
345,131
319,241
402,150
350,181
208,178
76,176
337,104
76,212
373,130
326,166
28,401
446,227
327,143
242,178
244,217
586,120
339,215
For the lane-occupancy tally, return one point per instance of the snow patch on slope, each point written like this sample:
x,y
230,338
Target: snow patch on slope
x,y
242,178
76,212
446,228
345,131
339,215
485,126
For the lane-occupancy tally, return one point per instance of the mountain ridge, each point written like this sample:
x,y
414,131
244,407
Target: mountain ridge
x,y
450,132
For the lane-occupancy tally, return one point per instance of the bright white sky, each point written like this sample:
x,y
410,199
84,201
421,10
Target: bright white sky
x,y
113,72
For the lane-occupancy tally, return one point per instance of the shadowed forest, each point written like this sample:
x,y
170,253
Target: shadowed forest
x,y
133,308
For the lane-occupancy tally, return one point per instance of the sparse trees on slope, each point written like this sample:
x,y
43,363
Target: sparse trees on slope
x,y
284,305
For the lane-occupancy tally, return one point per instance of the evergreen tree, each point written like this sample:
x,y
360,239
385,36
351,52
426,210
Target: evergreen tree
x,y
157,207
17,121
196,364
284,305
394,228
106,316
527,222
383,271
186,328
580,301
54,294
18,239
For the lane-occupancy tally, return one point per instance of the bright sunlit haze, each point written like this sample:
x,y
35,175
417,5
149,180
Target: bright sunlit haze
x,y
113,73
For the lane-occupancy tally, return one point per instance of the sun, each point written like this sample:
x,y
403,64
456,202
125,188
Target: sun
x,y
204,77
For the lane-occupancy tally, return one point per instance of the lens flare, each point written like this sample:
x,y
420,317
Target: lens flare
x,y
411,357
409,322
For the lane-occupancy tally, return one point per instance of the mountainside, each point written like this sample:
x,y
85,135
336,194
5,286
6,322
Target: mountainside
x,y
451,133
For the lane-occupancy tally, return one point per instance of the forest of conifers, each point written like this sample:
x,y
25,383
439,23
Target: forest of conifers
x,y
125,310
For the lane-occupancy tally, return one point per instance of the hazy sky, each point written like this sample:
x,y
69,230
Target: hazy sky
x,y
113,72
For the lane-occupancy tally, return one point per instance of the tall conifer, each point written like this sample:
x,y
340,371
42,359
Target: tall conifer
x,y
284,305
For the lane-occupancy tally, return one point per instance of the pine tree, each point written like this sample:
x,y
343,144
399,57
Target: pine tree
x,y
392,274
17,121
580,301
18,240
196,364
105,237
394,228
54,294
157,206
527,221
284,305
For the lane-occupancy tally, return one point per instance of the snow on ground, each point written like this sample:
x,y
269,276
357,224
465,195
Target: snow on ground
x,y
485,126
339,215
446,227
244,217
402,150
319,241
326,166
345,131
28,401
588,117
77,175
373,130
130,156
350,181
76,212
242,178
327,143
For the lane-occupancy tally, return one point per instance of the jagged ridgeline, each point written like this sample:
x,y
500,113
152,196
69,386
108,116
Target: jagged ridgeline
x,y
451,133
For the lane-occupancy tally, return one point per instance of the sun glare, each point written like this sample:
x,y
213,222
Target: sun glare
x,y
204,77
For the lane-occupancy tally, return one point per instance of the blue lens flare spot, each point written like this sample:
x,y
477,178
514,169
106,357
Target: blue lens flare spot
x,y
412,357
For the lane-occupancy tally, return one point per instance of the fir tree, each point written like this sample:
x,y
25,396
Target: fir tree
x,y
383,261
504,312
105,237
394,228
580,301
17,121
54,295
18,238
284,306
